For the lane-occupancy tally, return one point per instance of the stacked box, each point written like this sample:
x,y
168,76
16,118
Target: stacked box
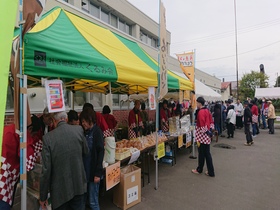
x,y
128,192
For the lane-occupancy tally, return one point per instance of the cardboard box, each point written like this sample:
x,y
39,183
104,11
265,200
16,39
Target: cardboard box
x,y
128,192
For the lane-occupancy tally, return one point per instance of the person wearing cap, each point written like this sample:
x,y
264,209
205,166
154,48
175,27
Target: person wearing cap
x,y
46,121
247,123
10,160
204,124
271,117
264,109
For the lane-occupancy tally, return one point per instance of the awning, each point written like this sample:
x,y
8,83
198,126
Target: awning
x,y
268,93
87,57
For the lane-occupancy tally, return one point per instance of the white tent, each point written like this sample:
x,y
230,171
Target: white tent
x,y
203,90
268,93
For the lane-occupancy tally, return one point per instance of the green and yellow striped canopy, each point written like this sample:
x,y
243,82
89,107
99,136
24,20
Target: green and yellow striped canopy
x,y
88,57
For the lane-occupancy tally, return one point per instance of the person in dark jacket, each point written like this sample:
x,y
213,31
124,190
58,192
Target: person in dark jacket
x,y
92,161
217,117
247,123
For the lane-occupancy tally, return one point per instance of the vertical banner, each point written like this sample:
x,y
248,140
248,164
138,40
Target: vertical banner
x,y
187,64
8,9
55,97
163,54
152,99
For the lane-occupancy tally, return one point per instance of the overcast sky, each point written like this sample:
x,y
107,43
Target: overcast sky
x,y
208,27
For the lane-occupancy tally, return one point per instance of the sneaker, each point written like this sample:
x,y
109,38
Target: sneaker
x,y
207,174
195,171
247,144
252,142
254,136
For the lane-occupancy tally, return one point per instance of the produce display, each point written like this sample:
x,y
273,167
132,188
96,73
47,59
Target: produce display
x,y
140,143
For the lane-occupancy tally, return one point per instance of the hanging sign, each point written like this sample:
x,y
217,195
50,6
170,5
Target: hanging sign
x,y
152,99
55,97
113,175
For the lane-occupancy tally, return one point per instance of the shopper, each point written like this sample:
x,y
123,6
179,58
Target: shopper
x,y
231,120
63,172
217,117
93,161
46,121
135,124
10,160
164,115
264,110
100,121
110,119
247,123
145,119
73,117
271,117
238,108
254,110
204,124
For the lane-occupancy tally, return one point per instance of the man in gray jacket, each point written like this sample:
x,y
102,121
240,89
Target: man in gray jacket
x,y
63,171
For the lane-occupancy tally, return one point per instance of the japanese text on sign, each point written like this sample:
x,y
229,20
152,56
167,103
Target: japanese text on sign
x,y
113,175
161,150
132,194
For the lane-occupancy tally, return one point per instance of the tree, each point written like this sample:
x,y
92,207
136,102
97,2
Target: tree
x,y
277,83
250,82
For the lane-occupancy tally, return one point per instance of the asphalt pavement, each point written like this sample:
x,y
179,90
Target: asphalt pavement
x,y
247,177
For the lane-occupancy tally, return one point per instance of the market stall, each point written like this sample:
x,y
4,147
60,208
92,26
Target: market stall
x,y
87,57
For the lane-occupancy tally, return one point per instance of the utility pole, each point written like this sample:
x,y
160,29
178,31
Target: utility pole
x,y
236,51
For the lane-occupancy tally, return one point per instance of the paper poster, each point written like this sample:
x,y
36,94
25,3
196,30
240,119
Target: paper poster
x,y
55,97
161,150
134,157
132,194
180,141
152,98
113,175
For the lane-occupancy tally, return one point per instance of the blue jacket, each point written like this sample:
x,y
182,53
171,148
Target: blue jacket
x,y
93,161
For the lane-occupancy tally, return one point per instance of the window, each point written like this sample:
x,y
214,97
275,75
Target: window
x,y
79,98
104,16
94,10
122,26
154,43
114,21
116,99
96,100
149,40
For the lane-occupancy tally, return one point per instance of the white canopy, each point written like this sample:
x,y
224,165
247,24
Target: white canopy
x,y
203,90
268,93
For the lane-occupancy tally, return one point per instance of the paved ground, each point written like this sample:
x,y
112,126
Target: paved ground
x,y
247,177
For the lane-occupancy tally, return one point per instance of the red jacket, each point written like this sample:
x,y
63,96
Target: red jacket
x,y
111,122
204,122
101,123
11,160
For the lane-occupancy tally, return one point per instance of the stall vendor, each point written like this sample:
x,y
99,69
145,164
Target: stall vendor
x,y
164,115
135,123
10,160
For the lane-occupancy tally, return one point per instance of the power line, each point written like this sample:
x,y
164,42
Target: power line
x,y
230,33
239,53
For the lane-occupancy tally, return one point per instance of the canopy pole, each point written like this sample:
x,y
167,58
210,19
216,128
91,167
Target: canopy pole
x,y
157,101
193,156
22,115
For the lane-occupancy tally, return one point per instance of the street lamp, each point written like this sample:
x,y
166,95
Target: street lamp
x,y
236,51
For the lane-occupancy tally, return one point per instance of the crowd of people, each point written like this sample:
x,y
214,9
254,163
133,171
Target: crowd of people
x,y
72,144
250,115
